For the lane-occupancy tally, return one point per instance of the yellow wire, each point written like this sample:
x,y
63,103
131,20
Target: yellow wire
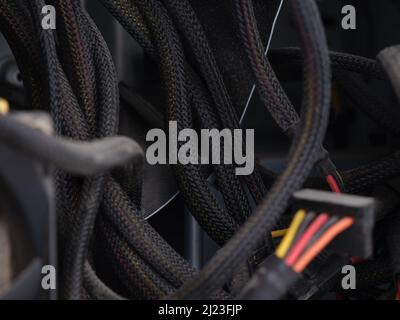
x,y
4,107
279,233
284,246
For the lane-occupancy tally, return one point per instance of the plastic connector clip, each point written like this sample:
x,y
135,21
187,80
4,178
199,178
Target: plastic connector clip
x,y
271,281
357,240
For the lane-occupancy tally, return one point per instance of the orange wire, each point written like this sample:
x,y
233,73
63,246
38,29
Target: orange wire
x,y
323,242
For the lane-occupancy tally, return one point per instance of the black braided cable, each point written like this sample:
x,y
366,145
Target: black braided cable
x,y
292,57
302,156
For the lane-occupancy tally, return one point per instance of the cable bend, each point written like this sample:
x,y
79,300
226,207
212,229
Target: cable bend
x,y
76,157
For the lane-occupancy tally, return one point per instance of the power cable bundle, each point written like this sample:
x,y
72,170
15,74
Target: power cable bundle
x,y
98,175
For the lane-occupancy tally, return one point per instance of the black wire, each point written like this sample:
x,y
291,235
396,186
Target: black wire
x,y
268,86
302,156
321,232
83,158
232,190
191,29
270,90
76,80
292,57
96,287
303,227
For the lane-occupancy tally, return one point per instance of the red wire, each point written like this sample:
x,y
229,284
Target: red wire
x,y
332,184
398,291
305,238
319,245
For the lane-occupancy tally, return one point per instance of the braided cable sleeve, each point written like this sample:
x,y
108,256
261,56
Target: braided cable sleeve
x,y
387,199
48,46
139,279
75,56
80,235
361,180
142,237
229,184
129,16
236,203
65,109
96,287
155,243
344,66
291,57
358,180
75,265
60,99
17,29
124,15
79,75
189,25
106,81
356,90
106,86
201,201
70,116
191,28
270,90
390,61
106,77
268,86
302,156
146,252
